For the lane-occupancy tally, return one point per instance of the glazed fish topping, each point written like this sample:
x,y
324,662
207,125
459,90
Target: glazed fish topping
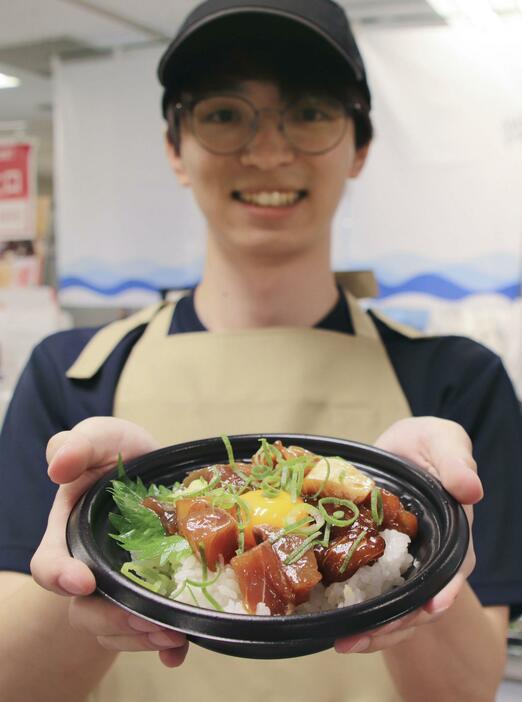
x,y
274,527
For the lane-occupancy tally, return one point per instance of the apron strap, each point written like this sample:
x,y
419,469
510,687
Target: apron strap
x,y
358,283
362,322
403,329
159,325
104,342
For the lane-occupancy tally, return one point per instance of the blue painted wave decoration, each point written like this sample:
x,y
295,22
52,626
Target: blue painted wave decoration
x,y
400,273
439,286
397,274
102,279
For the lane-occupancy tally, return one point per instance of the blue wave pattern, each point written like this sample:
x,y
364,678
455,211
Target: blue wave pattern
x,y
121,287
109,281
404,272
397,273
439,286
429,284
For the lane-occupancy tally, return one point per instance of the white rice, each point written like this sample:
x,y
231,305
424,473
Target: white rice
x,y
367,582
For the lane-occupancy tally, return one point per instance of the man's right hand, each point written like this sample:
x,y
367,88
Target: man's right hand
x,y
77,459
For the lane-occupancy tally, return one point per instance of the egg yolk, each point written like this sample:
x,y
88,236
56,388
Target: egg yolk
x,y
276,511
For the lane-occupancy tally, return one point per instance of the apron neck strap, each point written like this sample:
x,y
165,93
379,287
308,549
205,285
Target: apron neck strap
x,y
361,320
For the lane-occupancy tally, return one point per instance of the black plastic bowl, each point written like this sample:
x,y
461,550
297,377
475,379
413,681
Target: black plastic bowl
x,y
439,550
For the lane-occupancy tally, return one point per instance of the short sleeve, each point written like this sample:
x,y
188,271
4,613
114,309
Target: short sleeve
x,y
34,415
488,409
45,402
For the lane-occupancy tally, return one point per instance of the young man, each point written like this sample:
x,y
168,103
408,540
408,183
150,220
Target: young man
x,y
268,115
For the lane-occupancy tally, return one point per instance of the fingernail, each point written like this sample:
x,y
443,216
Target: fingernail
x,y
142,625
391,627
167,640
358,646
61,451
441,609
70,585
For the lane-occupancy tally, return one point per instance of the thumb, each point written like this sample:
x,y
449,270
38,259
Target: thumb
x,y
95,443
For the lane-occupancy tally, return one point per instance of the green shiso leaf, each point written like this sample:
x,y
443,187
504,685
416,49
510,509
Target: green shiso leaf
x,y
139,530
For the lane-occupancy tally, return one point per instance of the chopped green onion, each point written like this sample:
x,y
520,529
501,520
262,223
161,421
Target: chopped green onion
x,y
146,577
232,460
203,556
230,452
269,489
315,514
377,507
241,508
353,548
289,529
326,538
338,514
212,601
299,480
203,490
191,593
178,591
205,582
268,452
333,519
240,543
260,471
301,550
284,474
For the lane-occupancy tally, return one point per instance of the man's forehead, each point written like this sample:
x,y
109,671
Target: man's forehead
x,y
254,87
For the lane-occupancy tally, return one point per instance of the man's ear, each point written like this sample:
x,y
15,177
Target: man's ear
x,y
360,159
176,162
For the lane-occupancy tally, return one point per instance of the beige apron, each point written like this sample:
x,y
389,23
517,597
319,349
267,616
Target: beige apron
x,y
194,385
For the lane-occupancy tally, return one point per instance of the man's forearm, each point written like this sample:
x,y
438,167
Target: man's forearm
x,y
42,658
459,658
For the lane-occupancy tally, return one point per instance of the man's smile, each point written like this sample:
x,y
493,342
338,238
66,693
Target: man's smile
x,y
269,197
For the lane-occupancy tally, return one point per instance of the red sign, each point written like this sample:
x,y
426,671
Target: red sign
x,y
17,196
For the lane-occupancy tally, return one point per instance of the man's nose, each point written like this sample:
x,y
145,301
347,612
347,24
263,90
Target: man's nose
x,y
269,147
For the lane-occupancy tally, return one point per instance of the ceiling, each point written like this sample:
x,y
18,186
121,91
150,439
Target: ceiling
x,y
33,31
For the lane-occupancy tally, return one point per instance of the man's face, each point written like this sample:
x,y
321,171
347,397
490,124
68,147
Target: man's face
x,y
268,199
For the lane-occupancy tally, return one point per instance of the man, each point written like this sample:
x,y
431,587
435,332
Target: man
x,y
267,342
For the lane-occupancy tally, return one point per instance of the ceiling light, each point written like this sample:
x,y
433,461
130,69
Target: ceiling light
x,y
475,10
506,6
8,81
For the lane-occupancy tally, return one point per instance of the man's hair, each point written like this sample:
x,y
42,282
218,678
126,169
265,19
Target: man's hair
x,y
297,62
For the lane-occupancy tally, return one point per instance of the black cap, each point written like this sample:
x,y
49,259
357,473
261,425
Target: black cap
x,y
324,18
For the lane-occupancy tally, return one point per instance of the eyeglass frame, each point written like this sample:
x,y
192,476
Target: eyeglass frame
x,y
187,107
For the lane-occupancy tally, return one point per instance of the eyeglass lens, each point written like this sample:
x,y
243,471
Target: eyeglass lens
x,y
224,124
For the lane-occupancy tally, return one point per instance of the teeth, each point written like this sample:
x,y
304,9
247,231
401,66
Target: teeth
x,y
267,199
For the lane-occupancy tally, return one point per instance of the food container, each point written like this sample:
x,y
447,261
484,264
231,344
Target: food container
x,y
438,549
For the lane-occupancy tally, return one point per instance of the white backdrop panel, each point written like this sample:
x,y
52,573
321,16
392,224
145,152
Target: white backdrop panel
x,y
123,222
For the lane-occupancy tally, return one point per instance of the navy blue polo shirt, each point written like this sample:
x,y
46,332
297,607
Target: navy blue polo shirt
x,y
449,377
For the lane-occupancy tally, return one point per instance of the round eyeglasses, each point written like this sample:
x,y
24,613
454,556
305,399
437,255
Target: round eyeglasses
x,y
226,124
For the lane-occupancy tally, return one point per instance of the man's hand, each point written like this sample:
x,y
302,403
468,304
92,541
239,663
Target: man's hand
x,y
78,458
444,449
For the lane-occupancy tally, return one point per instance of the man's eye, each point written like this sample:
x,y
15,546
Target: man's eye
x,y
222,117
310,114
